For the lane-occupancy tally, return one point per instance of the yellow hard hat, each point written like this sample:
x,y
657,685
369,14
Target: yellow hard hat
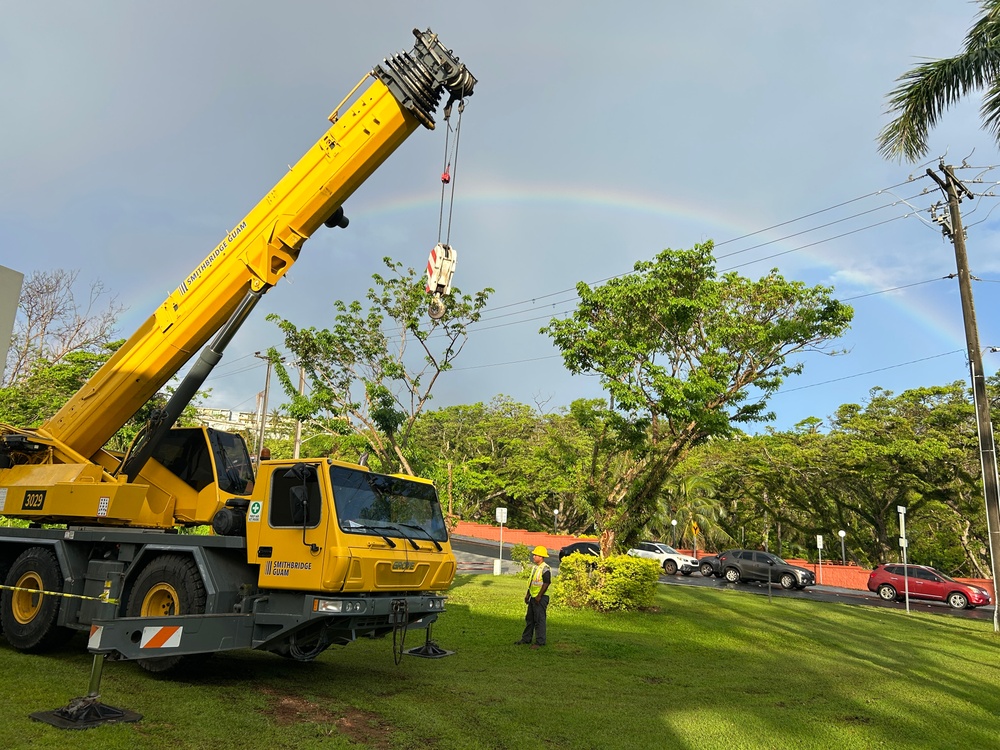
x,y
540,551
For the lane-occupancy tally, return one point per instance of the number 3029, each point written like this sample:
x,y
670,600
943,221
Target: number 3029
x,y
33,500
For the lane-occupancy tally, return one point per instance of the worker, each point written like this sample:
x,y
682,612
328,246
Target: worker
x,y
536,599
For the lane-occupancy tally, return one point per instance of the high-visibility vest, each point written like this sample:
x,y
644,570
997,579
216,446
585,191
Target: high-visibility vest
x,y
536,579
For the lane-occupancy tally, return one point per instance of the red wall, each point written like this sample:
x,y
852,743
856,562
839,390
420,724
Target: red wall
x,y
829,574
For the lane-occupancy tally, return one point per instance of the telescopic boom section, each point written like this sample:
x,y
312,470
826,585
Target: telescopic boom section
x,y
261,248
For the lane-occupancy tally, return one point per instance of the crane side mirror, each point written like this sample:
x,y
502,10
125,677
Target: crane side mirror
x,y
298,501
298,498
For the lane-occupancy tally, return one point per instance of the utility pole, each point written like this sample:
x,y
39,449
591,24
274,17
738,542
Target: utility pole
x,y
450,512
298,422
955,190
263,408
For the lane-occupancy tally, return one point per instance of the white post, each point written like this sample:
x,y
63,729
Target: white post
x,y
819,546
501,519
901,509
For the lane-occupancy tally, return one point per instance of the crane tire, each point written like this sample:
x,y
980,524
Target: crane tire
x,y
28,619
167,585
4,569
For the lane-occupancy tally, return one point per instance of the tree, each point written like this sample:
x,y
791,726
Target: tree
x,y
690,500
52,324
57,345
928,89
360,376
43,390
684,355
917,449
468,450
546,478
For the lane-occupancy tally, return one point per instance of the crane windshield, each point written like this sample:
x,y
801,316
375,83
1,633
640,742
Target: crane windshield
x,y
391,506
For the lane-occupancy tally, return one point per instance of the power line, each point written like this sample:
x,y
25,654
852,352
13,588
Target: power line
x,y
812,244
869,372
552,313
895,288
814,229
572,290
820,211
533,300
504,364
478,327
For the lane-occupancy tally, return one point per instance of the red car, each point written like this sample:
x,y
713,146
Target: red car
x,y
889,583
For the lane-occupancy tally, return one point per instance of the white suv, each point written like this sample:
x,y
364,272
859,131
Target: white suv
x,y
669,559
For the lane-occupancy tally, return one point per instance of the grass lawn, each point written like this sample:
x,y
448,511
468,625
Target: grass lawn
x,y
708,669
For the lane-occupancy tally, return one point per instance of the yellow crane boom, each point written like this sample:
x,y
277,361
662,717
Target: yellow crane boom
x,y
261,248
64,459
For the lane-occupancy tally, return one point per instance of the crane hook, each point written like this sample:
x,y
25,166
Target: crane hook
x,y
436,308
440,269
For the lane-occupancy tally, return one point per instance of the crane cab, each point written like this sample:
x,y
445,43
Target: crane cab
x,y
327,526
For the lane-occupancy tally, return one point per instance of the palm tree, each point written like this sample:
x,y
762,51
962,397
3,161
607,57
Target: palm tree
x,y
927,90
691,502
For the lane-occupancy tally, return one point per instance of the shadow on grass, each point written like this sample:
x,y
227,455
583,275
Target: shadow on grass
x,y
711,668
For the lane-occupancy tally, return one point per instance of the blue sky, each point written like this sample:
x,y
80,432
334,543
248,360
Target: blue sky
x,y
137,135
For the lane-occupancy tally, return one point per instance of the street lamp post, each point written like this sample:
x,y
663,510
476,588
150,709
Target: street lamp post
x,y
673,537
843,549
555,521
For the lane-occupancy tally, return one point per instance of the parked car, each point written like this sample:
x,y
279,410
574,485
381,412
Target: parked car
x,y
891,582
709,566
668,558
584,548
753,565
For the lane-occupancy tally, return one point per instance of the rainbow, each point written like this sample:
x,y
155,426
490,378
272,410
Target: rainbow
x,y
944,323
941,321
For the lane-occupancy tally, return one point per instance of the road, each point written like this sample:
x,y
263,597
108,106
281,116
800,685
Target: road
x,y
477,556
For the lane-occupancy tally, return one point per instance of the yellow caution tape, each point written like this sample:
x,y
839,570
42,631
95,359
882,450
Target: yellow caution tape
x,y
103,598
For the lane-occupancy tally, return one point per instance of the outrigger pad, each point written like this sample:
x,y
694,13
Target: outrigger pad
x,y
85,713
429,650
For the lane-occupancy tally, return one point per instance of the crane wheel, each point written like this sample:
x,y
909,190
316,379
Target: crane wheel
x,y
168,585
29,618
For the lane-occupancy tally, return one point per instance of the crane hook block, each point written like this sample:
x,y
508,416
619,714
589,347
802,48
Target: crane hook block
x,y
440,268
436,308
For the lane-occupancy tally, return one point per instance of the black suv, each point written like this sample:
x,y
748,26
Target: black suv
x,y
709,566
752,565
584,548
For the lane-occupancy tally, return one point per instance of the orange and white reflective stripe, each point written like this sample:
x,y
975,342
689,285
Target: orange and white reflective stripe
x,y
167,636
95,636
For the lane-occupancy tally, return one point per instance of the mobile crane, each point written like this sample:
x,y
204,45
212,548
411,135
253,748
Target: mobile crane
x,y
319,552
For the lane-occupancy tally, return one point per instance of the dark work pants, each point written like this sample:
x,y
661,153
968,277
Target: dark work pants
x,y
535,620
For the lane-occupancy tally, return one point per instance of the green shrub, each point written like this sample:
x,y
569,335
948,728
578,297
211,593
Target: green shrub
x,y
572,586
520,554
619,582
